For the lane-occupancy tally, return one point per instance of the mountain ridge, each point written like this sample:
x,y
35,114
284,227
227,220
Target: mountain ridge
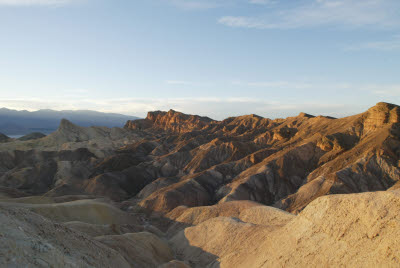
x,y
14,122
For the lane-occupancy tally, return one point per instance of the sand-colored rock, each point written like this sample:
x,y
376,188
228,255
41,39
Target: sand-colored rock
x,y
183,217
94,230
29,240
380,115
203,244
139,249
355,230
174,264
264,215
88,211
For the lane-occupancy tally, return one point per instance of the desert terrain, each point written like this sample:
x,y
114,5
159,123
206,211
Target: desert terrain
x,y
175,190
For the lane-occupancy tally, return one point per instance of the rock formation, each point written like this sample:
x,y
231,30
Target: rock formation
x,y
32,136
171,121
177,190
4,138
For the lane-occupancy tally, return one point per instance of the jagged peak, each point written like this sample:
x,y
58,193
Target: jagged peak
x,y
170,121
381,114
385,105
251,116
65,124
172,113
4,137
159,112
325,117
305,115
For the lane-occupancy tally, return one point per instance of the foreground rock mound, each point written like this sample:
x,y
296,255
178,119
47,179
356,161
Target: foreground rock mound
x,y
247,211
29,240
140,249
356,230
83,233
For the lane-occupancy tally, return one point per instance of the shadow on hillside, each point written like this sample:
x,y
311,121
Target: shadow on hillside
x,y
203,258
182,248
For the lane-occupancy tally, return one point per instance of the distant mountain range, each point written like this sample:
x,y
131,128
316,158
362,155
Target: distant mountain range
x,y
13,122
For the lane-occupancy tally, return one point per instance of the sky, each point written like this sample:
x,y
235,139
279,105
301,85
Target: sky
x,y
220,58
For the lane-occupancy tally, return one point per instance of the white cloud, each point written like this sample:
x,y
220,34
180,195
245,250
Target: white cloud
x,y
386,45
34,2
312,13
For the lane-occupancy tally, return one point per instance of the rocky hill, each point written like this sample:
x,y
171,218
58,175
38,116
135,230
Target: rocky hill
x,y
170,121
4,138
285,163
243,192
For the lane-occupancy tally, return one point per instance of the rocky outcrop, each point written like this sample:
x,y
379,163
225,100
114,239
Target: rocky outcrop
x,y
170,121
139,124
32,136
380,115
4,138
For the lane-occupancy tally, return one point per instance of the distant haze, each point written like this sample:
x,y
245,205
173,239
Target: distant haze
x,y
13,122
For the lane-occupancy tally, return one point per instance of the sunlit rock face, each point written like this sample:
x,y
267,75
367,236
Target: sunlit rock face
x,y
380,115
170,121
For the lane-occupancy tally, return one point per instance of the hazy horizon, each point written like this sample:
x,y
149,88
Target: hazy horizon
x,y
216,58
144,114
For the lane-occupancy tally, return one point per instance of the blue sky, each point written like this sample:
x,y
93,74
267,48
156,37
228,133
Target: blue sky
x,y
219,58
